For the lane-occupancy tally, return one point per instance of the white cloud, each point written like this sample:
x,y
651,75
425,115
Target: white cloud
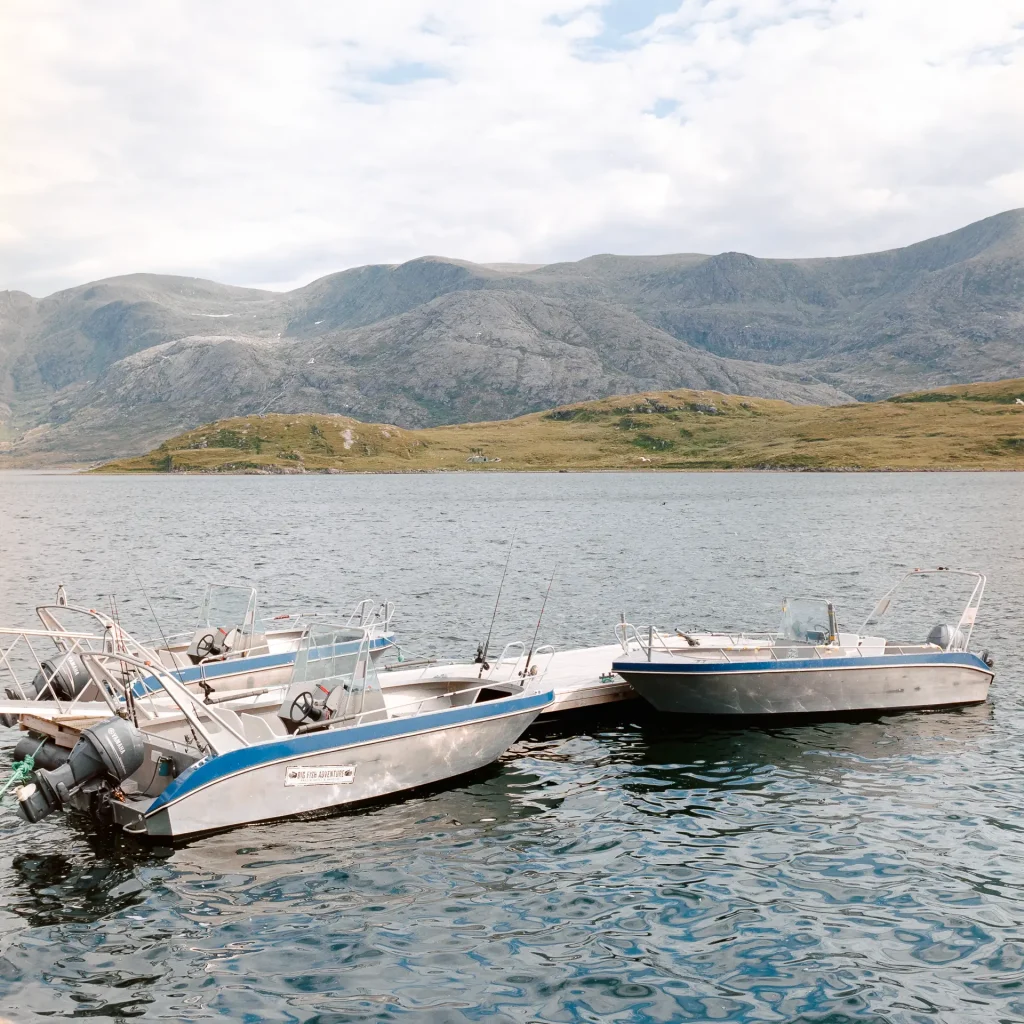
x,y
268,143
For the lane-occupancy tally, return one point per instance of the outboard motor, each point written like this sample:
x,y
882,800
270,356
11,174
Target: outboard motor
x,y
112,749
63,678
946,637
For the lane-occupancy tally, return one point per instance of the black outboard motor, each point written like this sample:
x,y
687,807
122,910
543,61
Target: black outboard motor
x,y
63,678
113,749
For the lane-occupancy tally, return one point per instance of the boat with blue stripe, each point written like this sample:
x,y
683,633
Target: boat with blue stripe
x,y
252,670
225,766
811,665
231,647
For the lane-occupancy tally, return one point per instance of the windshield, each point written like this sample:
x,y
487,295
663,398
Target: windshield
x,y
336,654
228,607
808,620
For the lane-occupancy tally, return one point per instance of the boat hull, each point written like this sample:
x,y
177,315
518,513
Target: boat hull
x,y
888,683
323,770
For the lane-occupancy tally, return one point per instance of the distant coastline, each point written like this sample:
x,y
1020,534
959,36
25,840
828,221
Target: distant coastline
x,y
963,428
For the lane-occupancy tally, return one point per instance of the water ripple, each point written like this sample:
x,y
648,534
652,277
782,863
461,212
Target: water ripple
x,y
618,869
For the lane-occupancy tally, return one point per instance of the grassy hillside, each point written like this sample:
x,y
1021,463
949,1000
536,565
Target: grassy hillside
x,y
974,426
110,368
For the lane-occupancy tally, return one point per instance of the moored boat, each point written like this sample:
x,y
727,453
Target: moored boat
x,y
811,666
223,766
213,657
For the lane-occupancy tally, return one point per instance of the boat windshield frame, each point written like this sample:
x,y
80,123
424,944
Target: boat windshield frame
x,y
820,638
965,625
247,627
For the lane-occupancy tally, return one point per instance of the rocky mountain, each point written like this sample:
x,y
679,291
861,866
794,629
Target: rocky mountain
x,y
112,367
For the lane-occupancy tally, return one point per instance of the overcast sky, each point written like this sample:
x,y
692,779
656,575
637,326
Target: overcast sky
x,y
268,143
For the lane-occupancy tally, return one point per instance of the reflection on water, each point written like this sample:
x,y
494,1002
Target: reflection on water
x,y
621,866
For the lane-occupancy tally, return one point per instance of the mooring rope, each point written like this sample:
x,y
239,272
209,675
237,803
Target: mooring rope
x,y
21,771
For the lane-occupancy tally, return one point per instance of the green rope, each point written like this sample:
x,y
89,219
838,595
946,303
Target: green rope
x,y
21,771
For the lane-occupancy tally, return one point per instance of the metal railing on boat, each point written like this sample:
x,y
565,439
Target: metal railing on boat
x,y
760,650
19,652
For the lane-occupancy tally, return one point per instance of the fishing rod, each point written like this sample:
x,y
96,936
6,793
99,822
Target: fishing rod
x,y
119,646
159,628
533,644
481,652
163,636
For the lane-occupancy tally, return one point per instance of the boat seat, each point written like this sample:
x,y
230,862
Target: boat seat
x,y
374,708
255,644
227,715
221,736
261,730
371,708
173,659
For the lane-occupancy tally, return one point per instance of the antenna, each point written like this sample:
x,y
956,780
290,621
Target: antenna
x,y
533,644
481,652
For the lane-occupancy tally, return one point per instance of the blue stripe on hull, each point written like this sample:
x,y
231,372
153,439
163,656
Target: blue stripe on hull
x,y
203,773
682,668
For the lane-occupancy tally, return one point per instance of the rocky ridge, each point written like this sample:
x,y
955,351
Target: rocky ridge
x,y
110,368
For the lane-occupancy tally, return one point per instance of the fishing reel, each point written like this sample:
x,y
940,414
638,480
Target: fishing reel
x,y
481,657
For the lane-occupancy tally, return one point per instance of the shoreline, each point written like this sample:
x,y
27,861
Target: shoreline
x,y
549,470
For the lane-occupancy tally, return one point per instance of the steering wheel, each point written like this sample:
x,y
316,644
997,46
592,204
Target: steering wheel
x,y
204,645
304,702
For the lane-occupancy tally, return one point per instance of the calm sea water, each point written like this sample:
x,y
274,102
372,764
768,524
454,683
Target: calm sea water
x,y
625,868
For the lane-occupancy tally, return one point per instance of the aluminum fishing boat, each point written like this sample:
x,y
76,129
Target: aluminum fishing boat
x,y
213,657
811,666
333,737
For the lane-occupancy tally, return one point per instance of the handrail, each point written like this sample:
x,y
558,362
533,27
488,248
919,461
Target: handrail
x,y
537,673
792,652
68,643
187,701
9,631
6,652
626,633
967,616
512,645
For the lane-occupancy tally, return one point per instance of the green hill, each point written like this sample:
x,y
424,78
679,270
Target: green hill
x,y
972,426
110,368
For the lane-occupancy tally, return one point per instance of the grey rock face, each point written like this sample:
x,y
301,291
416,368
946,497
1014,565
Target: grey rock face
x,y
112,367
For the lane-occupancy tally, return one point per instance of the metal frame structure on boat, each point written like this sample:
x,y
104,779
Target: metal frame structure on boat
x,y
847,672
